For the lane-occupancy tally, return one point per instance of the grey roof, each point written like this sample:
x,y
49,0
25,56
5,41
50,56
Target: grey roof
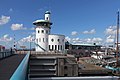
x,y
47,12
41,21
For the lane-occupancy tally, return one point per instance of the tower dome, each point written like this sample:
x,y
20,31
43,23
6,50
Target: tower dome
x,y
47,12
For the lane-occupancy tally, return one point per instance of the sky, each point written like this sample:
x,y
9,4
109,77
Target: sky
x,y
81,21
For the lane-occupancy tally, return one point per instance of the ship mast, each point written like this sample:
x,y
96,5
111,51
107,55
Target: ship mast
x,y
117,47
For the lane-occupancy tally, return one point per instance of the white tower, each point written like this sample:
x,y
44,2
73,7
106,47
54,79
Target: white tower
x,y
47,15
42,31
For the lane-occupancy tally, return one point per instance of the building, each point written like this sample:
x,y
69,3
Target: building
x,y
82,50
45,41
2,48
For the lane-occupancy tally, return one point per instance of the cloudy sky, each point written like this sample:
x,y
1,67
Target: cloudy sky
x,y
81,21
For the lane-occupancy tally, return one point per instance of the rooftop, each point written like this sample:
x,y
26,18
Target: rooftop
x,y
82,44
41,21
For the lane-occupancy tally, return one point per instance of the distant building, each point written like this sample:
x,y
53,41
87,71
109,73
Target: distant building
x,y
45,41
82,50
2,48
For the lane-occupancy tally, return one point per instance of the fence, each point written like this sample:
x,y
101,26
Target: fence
x,y
4,54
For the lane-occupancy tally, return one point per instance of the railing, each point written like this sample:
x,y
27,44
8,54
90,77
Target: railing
x,y
4,54
21,71
80,78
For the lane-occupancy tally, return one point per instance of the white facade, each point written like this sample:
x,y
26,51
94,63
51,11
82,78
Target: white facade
x,y
56,42
44,40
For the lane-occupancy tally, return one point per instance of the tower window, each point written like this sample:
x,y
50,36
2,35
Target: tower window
x,y
47,18
43,40
46,39
52,40
38,31
42,31
61,47
46,31
63,40
39,39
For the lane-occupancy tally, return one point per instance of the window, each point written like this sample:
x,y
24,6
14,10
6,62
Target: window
x,y
38,31
43,40
46,31
46,39
61,47
55,47
63,40
58,47
52,40
42,31
47,18
39,39
58,40
49,47
52,47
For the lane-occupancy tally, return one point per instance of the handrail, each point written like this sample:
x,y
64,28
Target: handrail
x,y
21,71
4,54
40,47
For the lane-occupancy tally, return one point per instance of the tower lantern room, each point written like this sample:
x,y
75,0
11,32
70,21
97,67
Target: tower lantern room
x,y
47,15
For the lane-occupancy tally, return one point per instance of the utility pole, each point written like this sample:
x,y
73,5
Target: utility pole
x,y
117,47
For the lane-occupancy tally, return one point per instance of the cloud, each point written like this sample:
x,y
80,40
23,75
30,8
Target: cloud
x,y
73,40
10,10
94,40
67,39
32,28
77,40
110,39
110,30
90,32
6,38
4,19
18,27
28,39
110,34
74,33
97,40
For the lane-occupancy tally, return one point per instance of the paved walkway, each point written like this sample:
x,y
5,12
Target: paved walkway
x,y
9,65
